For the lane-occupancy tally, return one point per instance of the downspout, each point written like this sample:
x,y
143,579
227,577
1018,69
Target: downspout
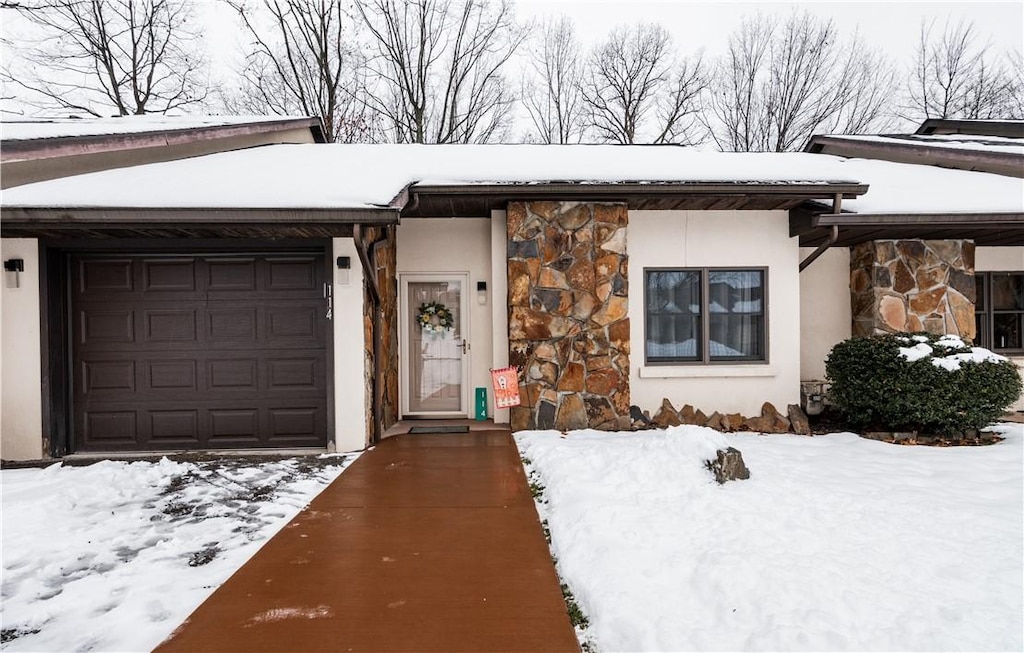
x,y
837,206
378,317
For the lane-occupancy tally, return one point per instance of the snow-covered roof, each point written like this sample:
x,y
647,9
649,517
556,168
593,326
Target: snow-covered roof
x,y
368,176
41,128
945,141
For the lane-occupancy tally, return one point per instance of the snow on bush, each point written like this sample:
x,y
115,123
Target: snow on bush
x,y
835,542
923,383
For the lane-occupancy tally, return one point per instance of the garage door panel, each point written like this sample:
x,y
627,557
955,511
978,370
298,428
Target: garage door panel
x,y
106,376
104,276
294,323
231,274
166,275
104,325
233,374
228,424
294,373
175,375
231,325
174,427
169,325
287,274
111,427
294,422
189,352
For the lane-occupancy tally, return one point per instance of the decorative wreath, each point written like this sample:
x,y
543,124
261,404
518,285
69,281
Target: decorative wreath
x,y
435,318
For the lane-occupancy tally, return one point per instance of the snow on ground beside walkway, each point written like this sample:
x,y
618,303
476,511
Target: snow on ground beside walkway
x,y
113,556
834,543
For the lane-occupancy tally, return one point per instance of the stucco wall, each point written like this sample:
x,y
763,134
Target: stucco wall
x,y
998,259
21,422
351,400
719,239
1002,259
824,308
458,245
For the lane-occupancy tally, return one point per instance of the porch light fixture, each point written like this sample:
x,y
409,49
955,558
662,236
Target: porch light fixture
x,y
14,267
344,265
481,293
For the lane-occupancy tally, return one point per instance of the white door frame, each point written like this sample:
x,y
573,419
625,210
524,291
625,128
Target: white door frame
x,y
403,340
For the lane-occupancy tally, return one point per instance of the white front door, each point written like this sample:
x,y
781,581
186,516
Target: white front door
x,y
434,350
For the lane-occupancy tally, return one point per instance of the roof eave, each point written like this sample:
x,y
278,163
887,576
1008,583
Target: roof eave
x,y
58,146
168,222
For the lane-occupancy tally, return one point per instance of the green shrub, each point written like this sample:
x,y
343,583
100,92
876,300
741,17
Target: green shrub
x,y
947,392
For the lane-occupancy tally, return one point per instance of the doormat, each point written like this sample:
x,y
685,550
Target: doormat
x,y
439,429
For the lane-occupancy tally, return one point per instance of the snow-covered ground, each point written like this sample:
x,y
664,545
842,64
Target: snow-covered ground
x,y
115,555
834,543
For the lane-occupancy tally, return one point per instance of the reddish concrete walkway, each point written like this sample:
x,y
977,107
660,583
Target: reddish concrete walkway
x,y
426,543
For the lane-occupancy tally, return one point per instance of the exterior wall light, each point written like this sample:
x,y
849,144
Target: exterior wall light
x,y
13,267
344,265
481,293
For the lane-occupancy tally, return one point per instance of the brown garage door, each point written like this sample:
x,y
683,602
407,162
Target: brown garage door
x,y
198,351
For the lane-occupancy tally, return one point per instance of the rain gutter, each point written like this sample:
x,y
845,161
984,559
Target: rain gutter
x,y
837,207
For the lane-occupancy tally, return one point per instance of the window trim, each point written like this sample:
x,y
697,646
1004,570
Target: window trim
x,y
705,321
988,312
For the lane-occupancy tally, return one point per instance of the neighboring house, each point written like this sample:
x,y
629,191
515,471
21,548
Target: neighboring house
x,y
997,295
271,297
982,145
40,149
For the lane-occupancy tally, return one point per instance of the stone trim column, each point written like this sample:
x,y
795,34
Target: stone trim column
x,y
568,314
913,285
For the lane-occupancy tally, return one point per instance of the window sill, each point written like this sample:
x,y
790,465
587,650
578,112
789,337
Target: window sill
x,y
705,371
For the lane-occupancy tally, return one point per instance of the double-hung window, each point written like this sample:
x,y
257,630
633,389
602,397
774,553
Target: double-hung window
x,y
999,311
705,315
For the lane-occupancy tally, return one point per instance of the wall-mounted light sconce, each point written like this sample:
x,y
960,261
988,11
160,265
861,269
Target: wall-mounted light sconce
x,y
481,292
344,265
13,268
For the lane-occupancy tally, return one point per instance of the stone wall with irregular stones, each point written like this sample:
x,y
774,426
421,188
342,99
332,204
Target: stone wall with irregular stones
x,y
384,256
913,285
568,314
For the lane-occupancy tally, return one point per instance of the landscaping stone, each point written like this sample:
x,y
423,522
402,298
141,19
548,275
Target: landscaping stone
x,y
666,415
798,420
728,466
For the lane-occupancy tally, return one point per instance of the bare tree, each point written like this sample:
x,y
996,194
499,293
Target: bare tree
x,y
551,90
954,76
638,90
438,66
783,80
303,59
110,56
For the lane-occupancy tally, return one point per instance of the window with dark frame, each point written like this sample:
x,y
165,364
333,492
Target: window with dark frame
x,y
705,315
999,311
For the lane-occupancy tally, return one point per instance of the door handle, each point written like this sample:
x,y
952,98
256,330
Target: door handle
x,y
465,345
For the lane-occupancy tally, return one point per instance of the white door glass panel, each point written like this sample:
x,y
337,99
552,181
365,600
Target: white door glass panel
x,y
435,356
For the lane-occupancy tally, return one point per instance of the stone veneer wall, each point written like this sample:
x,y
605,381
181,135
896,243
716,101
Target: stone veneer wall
x,y
913,285
568,314
384,256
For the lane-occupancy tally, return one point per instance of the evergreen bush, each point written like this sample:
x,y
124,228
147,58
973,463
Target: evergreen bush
x,y
919,382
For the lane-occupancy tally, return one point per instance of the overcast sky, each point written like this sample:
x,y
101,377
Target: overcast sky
x,y
892,26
